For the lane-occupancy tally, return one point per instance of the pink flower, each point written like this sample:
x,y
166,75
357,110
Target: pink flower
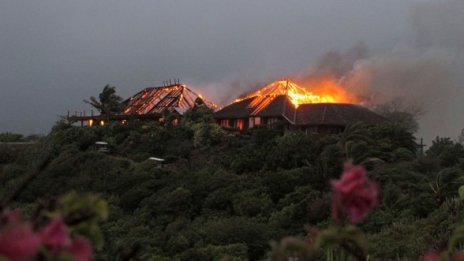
x,y
11,216
56,235
353,194
17,240
80,249
431,255
459,257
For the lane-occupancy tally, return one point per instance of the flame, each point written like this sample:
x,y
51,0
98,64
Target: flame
x,y
322,91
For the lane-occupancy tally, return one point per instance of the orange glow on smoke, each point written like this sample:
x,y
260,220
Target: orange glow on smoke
x,y
322,91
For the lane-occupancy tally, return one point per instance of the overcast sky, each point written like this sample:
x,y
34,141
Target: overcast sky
x,y
55,53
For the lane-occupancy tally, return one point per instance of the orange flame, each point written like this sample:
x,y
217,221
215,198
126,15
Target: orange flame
x,y
323,91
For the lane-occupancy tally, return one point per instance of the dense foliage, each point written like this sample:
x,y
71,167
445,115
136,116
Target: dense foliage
x,y
108,101
227,195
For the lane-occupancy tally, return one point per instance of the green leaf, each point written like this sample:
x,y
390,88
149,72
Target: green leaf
x,y
456,239
354,234
349,238
461,192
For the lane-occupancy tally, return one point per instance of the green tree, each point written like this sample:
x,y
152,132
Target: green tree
x,y
10,137
199,114
355,142
389,137
108,101
292,150
447,152
206,134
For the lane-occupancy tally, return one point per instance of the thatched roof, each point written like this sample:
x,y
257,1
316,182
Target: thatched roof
x,y
242,109
336,114
235,110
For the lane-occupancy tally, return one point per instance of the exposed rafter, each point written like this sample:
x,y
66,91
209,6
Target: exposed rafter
x,y
160,99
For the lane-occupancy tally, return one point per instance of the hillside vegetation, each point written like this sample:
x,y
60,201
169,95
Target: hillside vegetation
x,y
225,195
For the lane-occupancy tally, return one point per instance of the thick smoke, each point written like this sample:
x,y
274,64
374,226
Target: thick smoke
x,y
423,72
439,31
422,78
226,91
335,64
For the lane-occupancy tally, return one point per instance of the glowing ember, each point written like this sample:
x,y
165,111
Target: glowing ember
x,y
325,91
159,99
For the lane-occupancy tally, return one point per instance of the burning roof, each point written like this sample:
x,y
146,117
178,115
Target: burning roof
x,y
329,92
177,97
299,106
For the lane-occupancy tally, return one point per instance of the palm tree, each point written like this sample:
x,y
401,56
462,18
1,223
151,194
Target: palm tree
x,y
355,143
108,102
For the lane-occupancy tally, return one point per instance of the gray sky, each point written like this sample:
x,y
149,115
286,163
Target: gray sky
x,y
55,53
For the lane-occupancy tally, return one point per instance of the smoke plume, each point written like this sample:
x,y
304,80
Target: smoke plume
x,y
423,72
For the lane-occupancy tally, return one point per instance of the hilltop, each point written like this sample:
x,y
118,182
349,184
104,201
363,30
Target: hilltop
x,y
225,195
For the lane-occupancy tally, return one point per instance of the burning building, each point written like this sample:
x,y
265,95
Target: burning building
x,y
284,103
151,103
176,98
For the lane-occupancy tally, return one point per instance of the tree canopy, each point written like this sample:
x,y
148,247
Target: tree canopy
x,y
108,101
226,196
